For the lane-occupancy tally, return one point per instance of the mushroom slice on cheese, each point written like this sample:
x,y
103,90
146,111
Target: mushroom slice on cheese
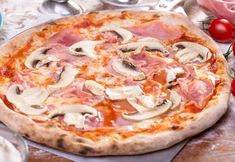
x,y
124,34
172,74
121,93
141,103
74,114
39,58
66,77
27,101
190,52
158,109
84,48
150,45
94,87
175,98
127,69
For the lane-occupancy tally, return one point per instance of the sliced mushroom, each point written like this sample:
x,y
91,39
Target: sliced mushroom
x,y
159,109
172,74
141,103
121,93
94,87
191,52
124,34
127,69
149,44
175,98
74,114
84,48
66,77
27,101
39,58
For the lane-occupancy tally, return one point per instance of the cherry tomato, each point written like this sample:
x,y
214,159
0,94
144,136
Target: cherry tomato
x,y
233,47
233,87
221,30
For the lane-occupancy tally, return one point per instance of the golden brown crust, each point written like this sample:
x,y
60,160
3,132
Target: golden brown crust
x,y
54,136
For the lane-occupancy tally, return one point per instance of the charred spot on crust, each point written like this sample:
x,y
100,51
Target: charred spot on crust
x,y
79,140
175,127
60,141
85,150
156,16
26,135
114,146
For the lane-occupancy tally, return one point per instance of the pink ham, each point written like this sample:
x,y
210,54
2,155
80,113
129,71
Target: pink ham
x,y
61,52
66,37
155,29
147,63
197,90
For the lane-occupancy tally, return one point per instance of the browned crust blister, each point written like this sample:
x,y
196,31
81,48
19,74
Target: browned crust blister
x,y
54,136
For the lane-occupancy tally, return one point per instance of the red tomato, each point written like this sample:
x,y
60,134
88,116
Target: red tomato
x,y
221,30
233,47
233,87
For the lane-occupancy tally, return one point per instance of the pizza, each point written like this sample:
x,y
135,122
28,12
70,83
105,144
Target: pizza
x,y
112,82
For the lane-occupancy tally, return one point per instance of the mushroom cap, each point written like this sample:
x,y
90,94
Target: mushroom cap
x,y
84,48
120,93
26,101
67,76
190,52
156,111
38,58
121,32
127,69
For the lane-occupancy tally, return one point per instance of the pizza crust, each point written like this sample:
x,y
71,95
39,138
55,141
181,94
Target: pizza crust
x,y
53,136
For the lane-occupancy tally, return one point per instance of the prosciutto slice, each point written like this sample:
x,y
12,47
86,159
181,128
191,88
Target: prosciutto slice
x,y
155,29
198,91
66,37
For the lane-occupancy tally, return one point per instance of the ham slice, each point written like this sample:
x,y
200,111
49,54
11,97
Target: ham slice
x,y
147,63
66,37
155,29
198,91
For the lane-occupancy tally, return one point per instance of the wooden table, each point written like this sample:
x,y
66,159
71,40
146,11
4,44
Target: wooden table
x,y
215,145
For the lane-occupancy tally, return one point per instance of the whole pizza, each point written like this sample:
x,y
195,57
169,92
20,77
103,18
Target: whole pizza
x,y
112,82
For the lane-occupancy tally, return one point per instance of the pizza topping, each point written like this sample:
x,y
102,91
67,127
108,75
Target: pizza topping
x,y
204,73
127,69
27,101
124,34
66,77
156,29
172,74
67,37
197,90
190,52
121,93
74,114
39,58
94,87
84,48
141,103
160,108
175,98
149,44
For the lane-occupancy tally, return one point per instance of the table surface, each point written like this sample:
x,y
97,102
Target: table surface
x,y
214,145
